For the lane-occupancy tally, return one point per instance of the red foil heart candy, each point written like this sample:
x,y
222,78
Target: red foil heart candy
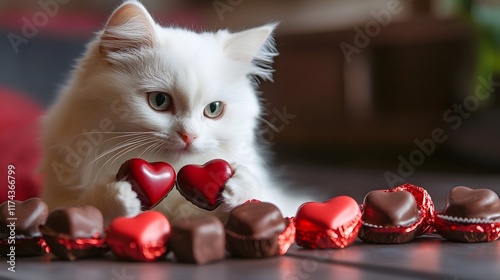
x,y
151,181
397,215
202,185
19,227
141,238
331,224
470,215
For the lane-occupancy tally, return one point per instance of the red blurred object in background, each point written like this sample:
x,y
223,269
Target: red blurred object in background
x,y
19,126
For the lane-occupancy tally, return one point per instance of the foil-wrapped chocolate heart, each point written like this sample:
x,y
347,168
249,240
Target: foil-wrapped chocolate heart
x,y
389,208
397,215
467,203
75,232
470,215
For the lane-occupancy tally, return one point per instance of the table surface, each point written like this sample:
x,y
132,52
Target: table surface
x,y
427,257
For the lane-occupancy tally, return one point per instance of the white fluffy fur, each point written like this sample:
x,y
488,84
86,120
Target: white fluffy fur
x,y
102,116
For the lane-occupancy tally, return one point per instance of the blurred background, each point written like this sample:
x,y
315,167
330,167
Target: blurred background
x,y
358,83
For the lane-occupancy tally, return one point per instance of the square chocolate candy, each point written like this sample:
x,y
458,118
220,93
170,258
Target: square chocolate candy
x,y
198,240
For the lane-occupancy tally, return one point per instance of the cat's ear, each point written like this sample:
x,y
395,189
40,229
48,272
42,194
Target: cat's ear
x,y
129,27
255,46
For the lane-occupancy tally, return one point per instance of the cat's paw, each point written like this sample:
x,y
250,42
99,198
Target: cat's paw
x,y
122,199
241,187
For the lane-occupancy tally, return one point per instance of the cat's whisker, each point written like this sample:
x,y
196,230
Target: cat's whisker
x,y
128,135
118,146
149,148
157,149
70,140
128,150
128,143
127,147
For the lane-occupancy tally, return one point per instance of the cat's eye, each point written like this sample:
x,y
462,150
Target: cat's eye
x,y
159,101
214,110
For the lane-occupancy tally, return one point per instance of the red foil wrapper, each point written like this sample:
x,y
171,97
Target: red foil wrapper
x,y
248,247
466,232
141,238
424,203
400,234
133,251
339,237
390,235
25,247
287,237
73,249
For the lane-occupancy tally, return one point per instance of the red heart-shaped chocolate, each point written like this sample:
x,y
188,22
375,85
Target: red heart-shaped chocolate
x,y
331,224
202,185
151,181
141,238
331,214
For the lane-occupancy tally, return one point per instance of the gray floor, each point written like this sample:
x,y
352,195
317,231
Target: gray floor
x,y
428,257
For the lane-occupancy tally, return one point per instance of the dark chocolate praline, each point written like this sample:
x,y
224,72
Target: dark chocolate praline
x,y
198,240
252,230
390,208
464,202
75,232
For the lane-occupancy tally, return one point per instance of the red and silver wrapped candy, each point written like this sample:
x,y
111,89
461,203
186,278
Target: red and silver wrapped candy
x,y
397,215
141,238
470,215
331,224
258,230
75,232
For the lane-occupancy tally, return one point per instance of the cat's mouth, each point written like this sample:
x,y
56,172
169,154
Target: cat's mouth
x,y
173,146
188,148
180,148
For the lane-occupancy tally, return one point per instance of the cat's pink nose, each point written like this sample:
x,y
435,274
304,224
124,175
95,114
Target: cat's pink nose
x,y
187,137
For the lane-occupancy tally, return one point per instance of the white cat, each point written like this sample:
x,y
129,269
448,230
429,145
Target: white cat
x,y
161,94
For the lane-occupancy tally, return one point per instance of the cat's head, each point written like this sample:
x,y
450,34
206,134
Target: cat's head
x,y
194,90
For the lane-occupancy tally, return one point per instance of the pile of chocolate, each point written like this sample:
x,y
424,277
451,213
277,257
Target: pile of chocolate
x,y
253,230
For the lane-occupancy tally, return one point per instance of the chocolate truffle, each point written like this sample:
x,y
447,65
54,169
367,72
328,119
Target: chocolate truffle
x,y
471,215
198,240
27,216
75,232
393,216
252,230
389,209
463,202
